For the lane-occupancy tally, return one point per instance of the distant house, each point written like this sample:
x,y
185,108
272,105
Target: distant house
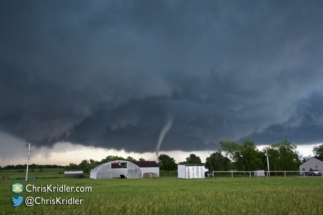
x,y
314,163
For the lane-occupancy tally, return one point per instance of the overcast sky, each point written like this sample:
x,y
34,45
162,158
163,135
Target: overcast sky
x,y
112,74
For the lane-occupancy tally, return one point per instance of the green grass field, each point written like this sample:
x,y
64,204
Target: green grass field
x,y
169,195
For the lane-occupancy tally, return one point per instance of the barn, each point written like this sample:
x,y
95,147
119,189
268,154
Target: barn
x,y
115,169
190,171
148,168
314,163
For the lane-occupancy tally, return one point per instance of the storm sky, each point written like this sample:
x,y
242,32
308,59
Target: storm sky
x,y
109,74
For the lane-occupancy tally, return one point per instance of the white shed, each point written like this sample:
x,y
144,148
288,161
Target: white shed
x,y
314,163
190,171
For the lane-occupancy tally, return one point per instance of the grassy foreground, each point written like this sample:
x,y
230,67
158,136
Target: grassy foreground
x,y
169,195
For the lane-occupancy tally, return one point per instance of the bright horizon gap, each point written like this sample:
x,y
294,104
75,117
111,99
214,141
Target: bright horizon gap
x,y
66,153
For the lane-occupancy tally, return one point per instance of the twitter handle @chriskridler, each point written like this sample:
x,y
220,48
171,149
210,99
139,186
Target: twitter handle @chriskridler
x,y
31,201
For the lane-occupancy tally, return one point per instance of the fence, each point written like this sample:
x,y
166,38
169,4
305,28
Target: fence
x,y
250,174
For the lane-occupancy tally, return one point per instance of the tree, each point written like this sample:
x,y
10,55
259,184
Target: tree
x,y
318,150
85,166
193,159
166,163
93,162
217,162
283,156
72,166
274,158
111,158
306,158
231,149
141,159
245,156
250,156
131,159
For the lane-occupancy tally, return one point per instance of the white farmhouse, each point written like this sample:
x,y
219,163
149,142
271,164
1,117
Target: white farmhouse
x,y
314,163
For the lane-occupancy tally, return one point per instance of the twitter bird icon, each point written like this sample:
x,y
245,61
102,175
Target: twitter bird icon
x,y
17,202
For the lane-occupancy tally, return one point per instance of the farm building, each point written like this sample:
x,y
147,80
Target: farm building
x,y
149,168
191,171
73,173
314,163
115,169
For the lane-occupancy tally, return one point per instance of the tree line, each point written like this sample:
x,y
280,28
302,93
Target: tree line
x,y
230,156
246,157
31,166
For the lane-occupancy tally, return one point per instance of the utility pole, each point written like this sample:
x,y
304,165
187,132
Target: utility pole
x,y
28,158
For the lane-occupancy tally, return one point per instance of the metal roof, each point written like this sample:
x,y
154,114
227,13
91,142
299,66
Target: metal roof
x,y
146,163
192,164
319,158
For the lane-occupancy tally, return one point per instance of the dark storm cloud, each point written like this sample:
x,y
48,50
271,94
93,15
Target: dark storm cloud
x,y
304,126
107,73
